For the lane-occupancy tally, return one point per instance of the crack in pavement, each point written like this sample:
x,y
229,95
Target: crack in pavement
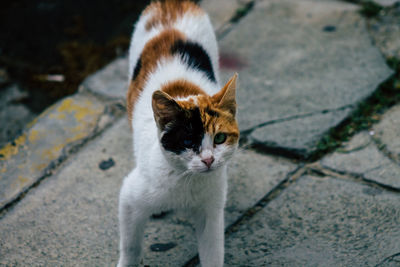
x,y
294,117
381,146
355,177
228,26
349,151
389,259
268,148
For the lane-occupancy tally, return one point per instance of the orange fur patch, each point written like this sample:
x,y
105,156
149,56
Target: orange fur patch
x,y
217,117
157,48
166,12
182,88
215,120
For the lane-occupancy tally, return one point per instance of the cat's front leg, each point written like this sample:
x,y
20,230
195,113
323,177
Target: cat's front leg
x,y
210,237
132,220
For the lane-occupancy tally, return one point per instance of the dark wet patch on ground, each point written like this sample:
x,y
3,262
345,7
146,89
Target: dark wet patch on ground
x,y
49,47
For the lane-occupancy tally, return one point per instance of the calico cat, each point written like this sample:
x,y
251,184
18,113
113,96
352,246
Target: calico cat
x,y
184,128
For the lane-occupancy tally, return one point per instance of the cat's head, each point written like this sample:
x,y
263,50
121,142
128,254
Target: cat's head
x,y
198,132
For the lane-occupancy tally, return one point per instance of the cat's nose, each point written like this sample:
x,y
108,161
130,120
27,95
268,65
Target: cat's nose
x,y
208,161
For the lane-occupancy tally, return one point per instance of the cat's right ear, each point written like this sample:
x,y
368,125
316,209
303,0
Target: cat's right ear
x,y
165,108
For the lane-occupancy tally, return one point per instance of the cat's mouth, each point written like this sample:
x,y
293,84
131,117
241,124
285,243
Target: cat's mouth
x,y
206,169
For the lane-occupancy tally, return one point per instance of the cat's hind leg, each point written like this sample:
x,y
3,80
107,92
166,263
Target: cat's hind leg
x,y
132,219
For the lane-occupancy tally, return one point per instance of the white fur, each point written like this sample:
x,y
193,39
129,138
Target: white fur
x,y
162,180
196,28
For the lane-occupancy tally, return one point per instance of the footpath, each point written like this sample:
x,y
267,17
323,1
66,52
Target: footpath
x,y
316,181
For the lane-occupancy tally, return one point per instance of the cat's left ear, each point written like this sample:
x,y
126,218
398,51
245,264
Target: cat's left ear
x,y
226,97
165,108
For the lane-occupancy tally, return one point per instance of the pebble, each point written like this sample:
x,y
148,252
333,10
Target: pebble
x,y
106,164
159,247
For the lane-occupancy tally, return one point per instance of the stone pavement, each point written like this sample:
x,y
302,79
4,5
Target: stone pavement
x,y
22,115
305,67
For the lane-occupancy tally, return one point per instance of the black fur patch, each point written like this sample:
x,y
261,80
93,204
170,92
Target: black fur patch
x,y
212,112
186,131
137,69
195,56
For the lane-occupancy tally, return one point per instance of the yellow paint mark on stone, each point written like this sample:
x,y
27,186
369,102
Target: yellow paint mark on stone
x,y
39,167
65,105
20,140
58,115
33,136
23,181
76,137
80,110
3,170
80,127
52,153
10,149
84,111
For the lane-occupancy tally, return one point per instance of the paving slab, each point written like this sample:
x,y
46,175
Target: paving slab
x,y
385,31
220,12
300,134
47,140
299,58
361,156
251,177
71,218
320,222
111,81
387,132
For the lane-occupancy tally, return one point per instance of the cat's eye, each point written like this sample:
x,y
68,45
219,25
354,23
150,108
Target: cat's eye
x,y
219,138
187,143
